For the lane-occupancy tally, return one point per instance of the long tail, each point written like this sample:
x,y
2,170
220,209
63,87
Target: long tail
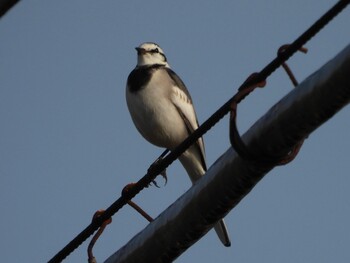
x,y
196,169
221,231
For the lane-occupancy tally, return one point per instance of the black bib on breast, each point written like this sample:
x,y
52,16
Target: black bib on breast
x,y
140,76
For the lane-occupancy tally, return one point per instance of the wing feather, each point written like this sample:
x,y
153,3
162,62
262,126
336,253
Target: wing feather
x,y
183,102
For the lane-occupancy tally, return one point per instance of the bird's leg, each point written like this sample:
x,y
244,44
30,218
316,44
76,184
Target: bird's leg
x,y
162,173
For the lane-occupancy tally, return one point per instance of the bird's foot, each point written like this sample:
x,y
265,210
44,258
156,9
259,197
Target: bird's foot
x,y
162,173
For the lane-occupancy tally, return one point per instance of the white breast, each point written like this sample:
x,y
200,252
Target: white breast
x,y
154,113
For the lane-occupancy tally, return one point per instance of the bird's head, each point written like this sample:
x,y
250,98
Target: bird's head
x,y
150,54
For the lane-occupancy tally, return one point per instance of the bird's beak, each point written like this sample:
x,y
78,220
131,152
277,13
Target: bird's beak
x,y
140,50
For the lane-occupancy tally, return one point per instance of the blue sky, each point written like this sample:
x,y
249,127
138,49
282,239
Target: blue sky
x,y
68,145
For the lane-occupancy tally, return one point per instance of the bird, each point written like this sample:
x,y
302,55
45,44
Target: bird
x,y
162,110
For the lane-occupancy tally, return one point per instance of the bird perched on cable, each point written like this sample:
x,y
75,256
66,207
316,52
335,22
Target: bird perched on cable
x,y
162,111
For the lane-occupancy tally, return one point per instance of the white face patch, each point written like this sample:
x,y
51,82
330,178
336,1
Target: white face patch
x,y
151,54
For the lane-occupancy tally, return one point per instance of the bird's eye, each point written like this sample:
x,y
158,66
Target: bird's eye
x,y
155,50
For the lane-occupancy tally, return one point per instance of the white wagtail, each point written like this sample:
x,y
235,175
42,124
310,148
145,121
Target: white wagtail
x,y
162,111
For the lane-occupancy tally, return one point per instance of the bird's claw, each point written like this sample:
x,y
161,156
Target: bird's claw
x,y
163,174
155,183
